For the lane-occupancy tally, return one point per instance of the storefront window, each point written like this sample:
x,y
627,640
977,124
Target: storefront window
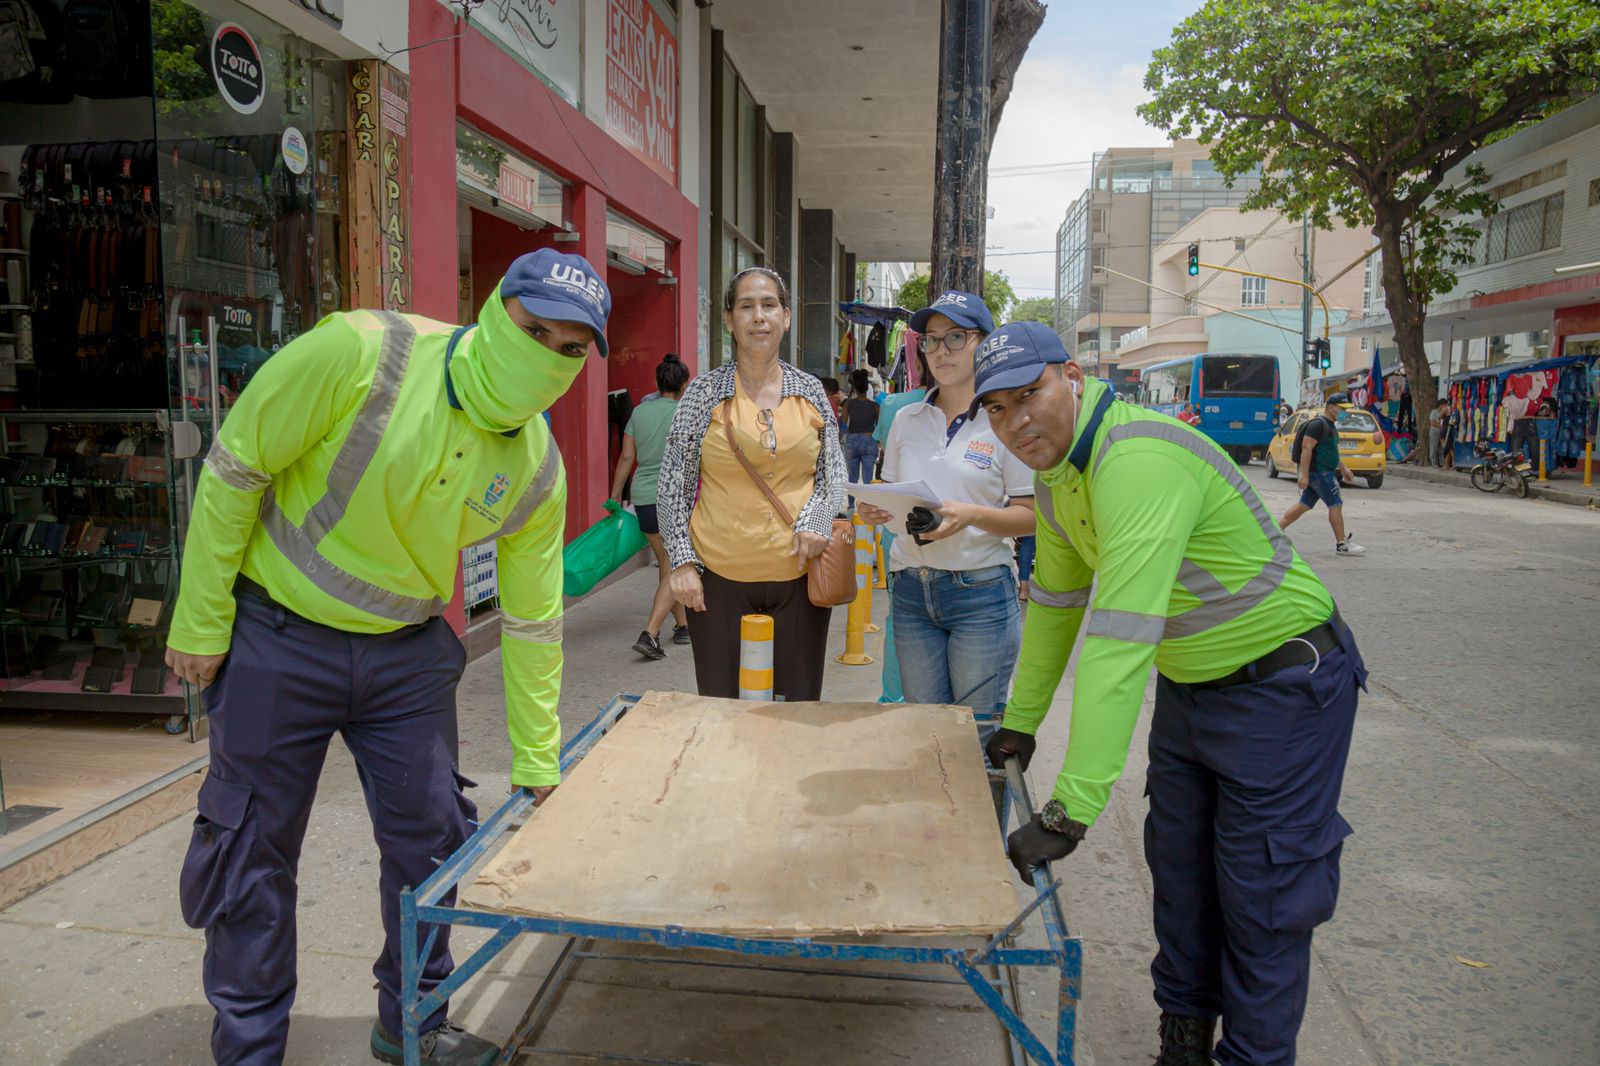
x,y
492,178
635,244
251,162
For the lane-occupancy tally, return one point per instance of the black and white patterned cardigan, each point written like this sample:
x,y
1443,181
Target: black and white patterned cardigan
x,y
679,483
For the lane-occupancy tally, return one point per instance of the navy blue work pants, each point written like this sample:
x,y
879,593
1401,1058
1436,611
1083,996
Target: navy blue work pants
x,y
1243,840
287,686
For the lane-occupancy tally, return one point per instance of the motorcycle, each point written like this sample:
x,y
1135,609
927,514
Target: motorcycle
x,y
1497,470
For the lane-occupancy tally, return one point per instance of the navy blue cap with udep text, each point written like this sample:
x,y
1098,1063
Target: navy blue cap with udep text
x,y
962,308
561,287
1015,355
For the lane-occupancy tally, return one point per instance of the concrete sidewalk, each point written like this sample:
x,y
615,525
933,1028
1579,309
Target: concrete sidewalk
x,y
99,967
1565,487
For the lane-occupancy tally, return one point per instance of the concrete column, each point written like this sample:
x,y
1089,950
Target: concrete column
x,y
819,339
784,211
847,284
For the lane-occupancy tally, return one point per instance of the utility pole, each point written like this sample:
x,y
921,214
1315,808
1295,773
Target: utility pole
x,y
1305,298
961,157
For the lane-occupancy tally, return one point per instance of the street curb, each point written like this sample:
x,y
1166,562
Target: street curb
x,y
1577,498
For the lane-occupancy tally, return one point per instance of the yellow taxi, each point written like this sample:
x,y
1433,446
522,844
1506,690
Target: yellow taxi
x,y
1361,443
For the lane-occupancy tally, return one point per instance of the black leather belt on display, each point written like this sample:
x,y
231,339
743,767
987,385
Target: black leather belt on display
x,y
1308,647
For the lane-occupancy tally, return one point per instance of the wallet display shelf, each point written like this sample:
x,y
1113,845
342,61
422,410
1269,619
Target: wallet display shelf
x,y
130,501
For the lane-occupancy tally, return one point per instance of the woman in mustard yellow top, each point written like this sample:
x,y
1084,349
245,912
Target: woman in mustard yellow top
x,y
730,552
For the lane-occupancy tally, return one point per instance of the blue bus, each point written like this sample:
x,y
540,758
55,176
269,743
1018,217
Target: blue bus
x,y
1233,399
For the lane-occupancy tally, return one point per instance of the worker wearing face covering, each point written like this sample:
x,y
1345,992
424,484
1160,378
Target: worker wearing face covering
x,y
326,536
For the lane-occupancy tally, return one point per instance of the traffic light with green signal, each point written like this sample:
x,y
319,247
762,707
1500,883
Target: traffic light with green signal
x,y
1194,260
1319,353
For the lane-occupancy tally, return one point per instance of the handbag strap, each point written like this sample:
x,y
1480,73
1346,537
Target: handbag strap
x,y
749,468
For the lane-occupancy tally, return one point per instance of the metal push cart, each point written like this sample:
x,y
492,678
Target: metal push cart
x,y
421,914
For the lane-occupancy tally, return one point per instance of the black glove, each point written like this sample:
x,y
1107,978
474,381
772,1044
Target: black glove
x,y
1034,845
1009,742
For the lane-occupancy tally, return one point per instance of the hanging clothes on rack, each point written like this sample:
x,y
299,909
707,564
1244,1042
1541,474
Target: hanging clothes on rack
x,y
877,347
1572,411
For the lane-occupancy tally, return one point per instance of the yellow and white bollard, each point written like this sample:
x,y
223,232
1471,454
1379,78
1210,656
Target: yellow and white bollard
x,y
1588,463
1543,455
755,657
870,535
859,622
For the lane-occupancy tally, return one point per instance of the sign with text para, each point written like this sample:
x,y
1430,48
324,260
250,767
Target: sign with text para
x,y
380,179
642,84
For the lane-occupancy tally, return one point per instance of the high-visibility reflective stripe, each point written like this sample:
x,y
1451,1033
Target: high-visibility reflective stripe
x,y
532,630
299,543
1045,506
1126,625
343,586
233,472
1037,593
1218,606
366,432
1202,583
538,491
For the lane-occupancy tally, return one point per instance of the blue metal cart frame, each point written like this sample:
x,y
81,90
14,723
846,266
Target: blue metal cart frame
x,y
421,913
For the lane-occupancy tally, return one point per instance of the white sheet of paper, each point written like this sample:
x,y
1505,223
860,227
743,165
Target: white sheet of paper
x,y
898,498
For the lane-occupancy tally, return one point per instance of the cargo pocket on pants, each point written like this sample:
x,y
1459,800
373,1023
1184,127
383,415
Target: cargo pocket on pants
x,y
1305,868
218,852
464,805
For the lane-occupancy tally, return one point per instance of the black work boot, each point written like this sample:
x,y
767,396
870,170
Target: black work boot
x,y
448,1045
1186,1041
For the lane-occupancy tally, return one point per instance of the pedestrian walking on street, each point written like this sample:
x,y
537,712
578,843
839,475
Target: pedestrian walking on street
x,y
643,442
325,543
956,616
1154,544
860,420
835,394
731,552
1321,471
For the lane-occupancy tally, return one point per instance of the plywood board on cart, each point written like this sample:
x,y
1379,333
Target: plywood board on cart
x,y
772,819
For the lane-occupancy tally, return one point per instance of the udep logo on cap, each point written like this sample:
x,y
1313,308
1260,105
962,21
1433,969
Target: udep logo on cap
x,y
957,298
578,281
994,350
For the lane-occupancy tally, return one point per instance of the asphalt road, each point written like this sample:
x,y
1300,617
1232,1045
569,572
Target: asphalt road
x,y
1473,787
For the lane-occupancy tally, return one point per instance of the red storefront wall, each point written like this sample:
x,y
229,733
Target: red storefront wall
x,y
471,79
1574,321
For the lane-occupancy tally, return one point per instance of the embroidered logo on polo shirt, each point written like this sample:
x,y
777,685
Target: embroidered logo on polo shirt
x,y
980,453
496,490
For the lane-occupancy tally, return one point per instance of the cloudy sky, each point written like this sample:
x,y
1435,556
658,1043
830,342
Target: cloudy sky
x,y
1074,95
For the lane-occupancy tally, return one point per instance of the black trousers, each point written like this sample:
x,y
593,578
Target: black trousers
x,y
800,636
1525,435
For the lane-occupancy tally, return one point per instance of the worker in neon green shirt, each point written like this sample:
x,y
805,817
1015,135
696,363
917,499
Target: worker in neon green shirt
x,y
325,541
1153,544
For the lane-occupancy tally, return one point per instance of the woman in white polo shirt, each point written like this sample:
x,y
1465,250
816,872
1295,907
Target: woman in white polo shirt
x,y
957,622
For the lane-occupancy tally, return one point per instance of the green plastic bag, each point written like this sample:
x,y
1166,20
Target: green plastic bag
x,y
596,553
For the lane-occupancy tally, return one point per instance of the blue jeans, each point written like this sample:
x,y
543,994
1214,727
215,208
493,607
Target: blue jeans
x,y
1321,485
860,456
957,635
1025,551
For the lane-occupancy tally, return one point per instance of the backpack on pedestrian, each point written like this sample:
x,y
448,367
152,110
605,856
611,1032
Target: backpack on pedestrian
x,y
1299,438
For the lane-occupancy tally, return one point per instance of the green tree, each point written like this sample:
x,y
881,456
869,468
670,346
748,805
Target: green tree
x,y
997,293
1360,109
1038,309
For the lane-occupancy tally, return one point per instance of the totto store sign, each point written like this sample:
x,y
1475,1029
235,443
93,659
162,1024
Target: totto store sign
x,y
236,66
642,84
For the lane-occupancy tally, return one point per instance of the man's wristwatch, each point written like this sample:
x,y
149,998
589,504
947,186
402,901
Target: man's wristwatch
x,y
1054,818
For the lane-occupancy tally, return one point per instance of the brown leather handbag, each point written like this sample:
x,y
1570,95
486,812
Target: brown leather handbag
x,y
831,576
